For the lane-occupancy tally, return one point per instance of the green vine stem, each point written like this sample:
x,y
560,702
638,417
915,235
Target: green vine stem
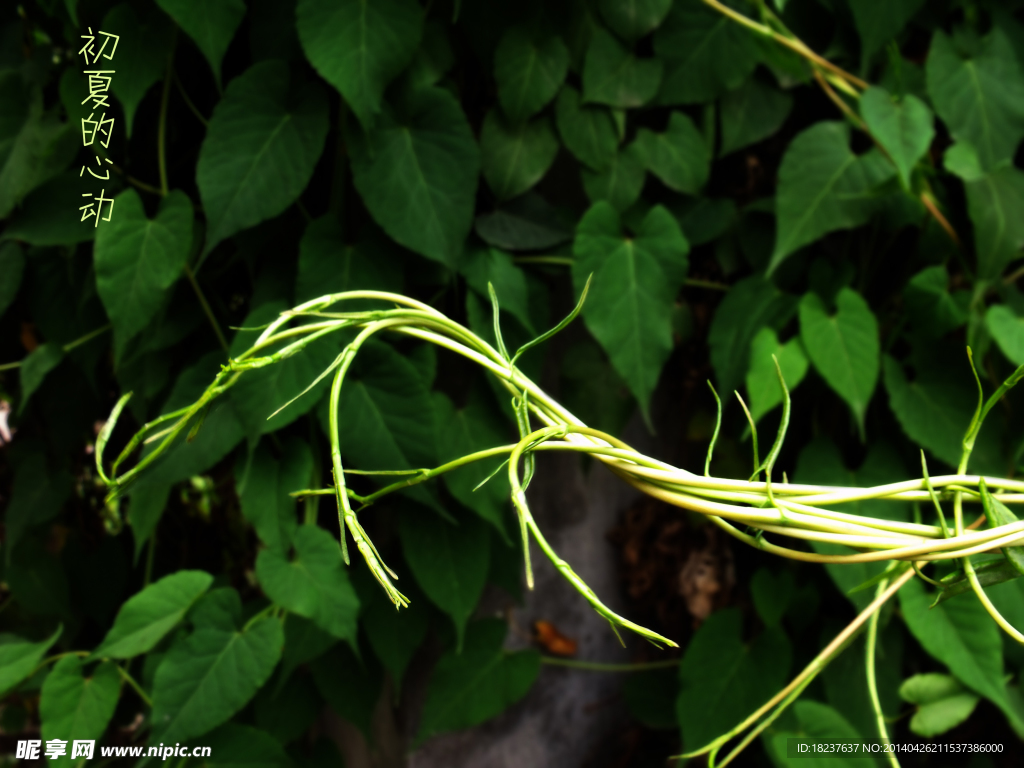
x,y
796,511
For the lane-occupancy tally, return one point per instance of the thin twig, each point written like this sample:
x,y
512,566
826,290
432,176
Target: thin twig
x,y
188,101
67,347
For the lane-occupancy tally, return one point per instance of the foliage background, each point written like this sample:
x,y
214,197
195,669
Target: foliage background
x,y
730,207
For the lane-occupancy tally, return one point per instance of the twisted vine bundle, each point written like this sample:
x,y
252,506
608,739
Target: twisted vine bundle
x,y
750,510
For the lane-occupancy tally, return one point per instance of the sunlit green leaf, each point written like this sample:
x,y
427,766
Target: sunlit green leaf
x,y
209,676
823,187
314,583
635,283
942,703
979,94
150,614
903,128
844,346
75,706
762,380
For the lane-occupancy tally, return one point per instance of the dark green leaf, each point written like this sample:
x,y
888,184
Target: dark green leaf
x,y
141,55
823,187
19,658
614,76
904,128
527,223
771,594
37,580
705,53
844,347
879,21
461,432
429,211
722,679
632,19
588,132
483,680
433,58
351,687
386,417
304,641
514,157
242,746
288,711
593,391
635,283
37,495
960,634
314,584
752,112
621,182
263,482
264,139
529,69
139,259
750,305
75,707
360,47
46,218
816,721
489,265
704,219
935,409
328,265
394,636
34,145
651,698
12,264
679,156
149,615
35,367
931,308
210,24
206,678
980,97
448,561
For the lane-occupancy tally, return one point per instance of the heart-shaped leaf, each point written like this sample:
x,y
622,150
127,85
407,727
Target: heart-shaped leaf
x,y
529,69
138,259
515,157
614,76
679,156
313,584
429,210
360,47
261,146
635,282
844,347
210,23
